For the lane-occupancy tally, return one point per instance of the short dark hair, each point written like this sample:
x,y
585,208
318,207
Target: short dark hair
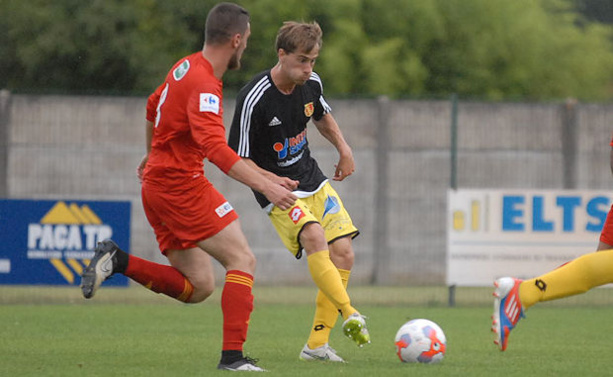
x,y
301,36
224,21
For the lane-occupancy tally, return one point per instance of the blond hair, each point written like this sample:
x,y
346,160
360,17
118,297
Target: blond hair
x,y
300,36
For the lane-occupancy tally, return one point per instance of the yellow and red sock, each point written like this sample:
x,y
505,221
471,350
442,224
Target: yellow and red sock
x,y
236,305
159,278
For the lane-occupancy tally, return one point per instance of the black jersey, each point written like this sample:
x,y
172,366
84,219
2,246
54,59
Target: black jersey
x,y
270,128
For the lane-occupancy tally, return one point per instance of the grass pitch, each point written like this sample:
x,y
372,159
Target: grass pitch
x,y
133,332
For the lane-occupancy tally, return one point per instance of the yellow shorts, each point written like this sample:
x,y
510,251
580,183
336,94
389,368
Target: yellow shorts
x,y
324,207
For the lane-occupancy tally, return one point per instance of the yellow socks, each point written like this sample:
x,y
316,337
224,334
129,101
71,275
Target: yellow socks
x,y
578,276
326,315
327,278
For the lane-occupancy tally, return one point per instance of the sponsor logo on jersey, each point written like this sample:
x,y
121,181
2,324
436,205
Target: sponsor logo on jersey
x,y
296,214
181,70
274,122
309,109
209,102
290,146
66,236
331,206
224,209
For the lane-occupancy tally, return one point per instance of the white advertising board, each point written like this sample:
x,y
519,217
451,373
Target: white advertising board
x,y
519,233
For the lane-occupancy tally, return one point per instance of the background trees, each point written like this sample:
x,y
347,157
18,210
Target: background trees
x,y
488,49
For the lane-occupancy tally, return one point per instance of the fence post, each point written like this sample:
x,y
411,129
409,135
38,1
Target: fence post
x,y
569,143
453,179
380,247
5,122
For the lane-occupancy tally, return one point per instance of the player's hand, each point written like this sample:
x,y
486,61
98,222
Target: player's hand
x,y
345,167
141,167
280,196
288,183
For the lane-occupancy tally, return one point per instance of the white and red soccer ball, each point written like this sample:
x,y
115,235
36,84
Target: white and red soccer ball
x,y
420,341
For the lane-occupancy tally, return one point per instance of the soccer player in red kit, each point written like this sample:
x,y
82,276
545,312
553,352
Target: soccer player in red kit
x,y
192,221
514,296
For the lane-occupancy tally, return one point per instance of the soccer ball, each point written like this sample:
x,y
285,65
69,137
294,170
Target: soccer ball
x,y
420,341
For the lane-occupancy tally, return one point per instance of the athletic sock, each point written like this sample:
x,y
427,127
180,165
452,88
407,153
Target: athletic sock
x,y
328,280
326,315
159,278
236,305
578,276
228,357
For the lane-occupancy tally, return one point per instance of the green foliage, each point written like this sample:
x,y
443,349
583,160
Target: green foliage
x,y
491,49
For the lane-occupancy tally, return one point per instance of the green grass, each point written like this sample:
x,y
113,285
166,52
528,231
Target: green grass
x,y
134,333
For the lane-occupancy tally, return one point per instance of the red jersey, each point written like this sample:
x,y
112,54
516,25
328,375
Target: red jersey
x,y
187,113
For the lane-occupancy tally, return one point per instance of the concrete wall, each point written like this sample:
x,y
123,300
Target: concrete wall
x,y
67,147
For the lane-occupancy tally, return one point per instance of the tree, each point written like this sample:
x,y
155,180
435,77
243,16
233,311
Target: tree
x,y
488,49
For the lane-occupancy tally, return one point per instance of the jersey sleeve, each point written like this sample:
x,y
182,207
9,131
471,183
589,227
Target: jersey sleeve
x,y
321,106
206,122
242,121
152,103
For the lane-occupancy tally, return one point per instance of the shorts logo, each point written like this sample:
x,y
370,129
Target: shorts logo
x,y
296,214
309,109
224,209
209,102
331,206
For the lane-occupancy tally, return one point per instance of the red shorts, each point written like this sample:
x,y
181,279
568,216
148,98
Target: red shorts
x,y
182,217
606,236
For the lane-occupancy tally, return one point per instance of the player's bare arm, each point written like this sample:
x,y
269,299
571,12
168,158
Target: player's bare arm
x,y
275,193
329,129
148,136
286,182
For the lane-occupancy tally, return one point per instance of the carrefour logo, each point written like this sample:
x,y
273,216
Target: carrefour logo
x,y
66,236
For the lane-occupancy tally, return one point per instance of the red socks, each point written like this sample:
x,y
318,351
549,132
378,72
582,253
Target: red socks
x,y
236,297
159,278
236,305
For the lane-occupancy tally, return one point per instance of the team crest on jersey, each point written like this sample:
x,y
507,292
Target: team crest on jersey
x,y
181,70
309,109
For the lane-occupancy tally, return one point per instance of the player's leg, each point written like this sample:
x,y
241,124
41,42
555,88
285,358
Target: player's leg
x,y
514,296
197,267
230,248
110,259
323,271
578,276
328,279
326,314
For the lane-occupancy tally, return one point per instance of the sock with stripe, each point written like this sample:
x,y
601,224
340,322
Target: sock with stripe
x,y
326,315
578,276
236,305
158,277
328,280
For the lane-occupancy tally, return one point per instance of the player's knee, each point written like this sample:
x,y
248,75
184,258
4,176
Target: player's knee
x,y
241,259
344,256
202,290
313,236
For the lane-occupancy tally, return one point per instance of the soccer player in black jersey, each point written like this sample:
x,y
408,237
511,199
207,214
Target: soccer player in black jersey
x,y
269,131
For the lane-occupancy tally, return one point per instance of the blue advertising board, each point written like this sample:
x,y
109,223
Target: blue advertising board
x,y
49,242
